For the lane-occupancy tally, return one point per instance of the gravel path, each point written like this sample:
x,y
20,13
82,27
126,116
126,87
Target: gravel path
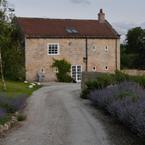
x,y
57,116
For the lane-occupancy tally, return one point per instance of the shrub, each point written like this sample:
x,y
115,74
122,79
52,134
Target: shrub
x,y
5,119
63,70
120,77
105,80
138,79
2,112
85,93
101,82
125,101
14,104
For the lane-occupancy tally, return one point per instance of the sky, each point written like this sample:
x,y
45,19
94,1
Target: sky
x,y
122,14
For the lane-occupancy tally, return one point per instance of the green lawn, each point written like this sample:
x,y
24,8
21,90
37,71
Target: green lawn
x,y
14,91
17,88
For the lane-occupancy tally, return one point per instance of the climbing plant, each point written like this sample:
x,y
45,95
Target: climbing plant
x,y
63,70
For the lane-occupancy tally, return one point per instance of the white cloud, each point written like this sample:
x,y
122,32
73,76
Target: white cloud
x,y
122,28
143,25
81,1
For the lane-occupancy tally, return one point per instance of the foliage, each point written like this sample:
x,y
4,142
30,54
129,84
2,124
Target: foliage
x,y
119,76
102,81
12,104
2,112
133,52
134,36
129,108
63,70
85,93
5,119
14,99
17,88
129,60
105,80
11,45
13,55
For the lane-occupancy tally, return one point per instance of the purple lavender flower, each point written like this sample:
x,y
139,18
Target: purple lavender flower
x,y
125,101
2,112
13,104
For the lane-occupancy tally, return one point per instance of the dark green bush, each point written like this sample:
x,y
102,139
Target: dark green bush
x,y
63,74
120,77
85,93
138,79
63,77
5,119
101,82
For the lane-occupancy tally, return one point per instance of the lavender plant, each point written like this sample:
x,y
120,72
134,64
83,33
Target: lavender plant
x,y
125,101
12,105
2,112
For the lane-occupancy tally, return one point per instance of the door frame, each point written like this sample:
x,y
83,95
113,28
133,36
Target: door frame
x,y
76,65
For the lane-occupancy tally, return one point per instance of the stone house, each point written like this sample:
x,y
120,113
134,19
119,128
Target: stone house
x,y
89,45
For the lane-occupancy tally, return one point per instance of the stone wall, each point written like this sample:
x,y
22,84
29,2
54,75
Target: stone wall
x,y
90,76
101,54
134,72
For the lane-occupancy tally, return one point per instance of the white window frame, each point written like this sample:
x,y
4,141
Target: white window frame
x,y
94,69
58,47
76,65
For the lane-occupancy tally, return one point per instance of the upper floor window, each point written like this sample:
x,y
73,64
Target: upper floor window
x,y
53,49
106,48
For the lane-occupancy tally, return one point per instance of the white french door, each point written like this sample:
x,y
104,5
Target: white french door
x,y
76,72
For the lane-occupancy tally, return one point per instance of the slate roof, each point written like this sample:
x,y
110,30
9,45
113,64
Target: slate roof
x,y
57,28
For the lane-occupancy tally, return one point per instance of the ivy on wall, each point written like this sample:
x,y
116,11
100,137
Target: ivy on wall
x,y
63,73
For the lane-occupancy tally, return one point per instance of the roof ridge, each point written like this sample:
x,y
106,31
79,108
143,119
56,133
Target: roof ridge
x,y
58,19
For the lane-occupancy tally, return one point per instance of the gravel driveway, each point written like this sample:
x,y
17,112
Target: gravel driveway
x,y
56,116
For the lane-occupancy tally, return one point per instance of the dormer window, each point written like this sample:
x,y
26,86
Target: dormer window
x,y
71,30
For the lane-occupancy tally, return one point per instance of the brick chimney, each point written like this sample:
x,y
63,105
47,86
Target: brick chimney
x,y
101,16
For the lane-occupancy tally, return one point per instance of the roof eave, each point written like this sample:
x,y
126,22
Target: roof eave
x,y
73,37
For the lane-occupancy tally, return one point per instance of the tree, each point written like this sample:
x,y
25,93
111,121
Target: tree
x,y
134,40
133,52
11,44
2,37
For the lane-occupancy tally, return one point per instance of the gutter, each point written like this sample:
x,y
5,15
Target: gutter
x,y
86,54
116,51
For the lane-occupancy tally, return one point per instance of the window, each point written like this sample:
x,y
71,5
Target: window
x,y
106,48
55,70
106,67
94,48
71,30
94,69
53,49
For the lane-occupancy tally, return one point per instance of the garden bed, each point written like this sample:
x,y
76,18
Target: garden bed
x,y
12,101
123,97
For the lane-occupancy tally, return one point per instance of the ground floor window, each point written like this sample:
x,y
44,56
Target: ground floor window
x,y
76,72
